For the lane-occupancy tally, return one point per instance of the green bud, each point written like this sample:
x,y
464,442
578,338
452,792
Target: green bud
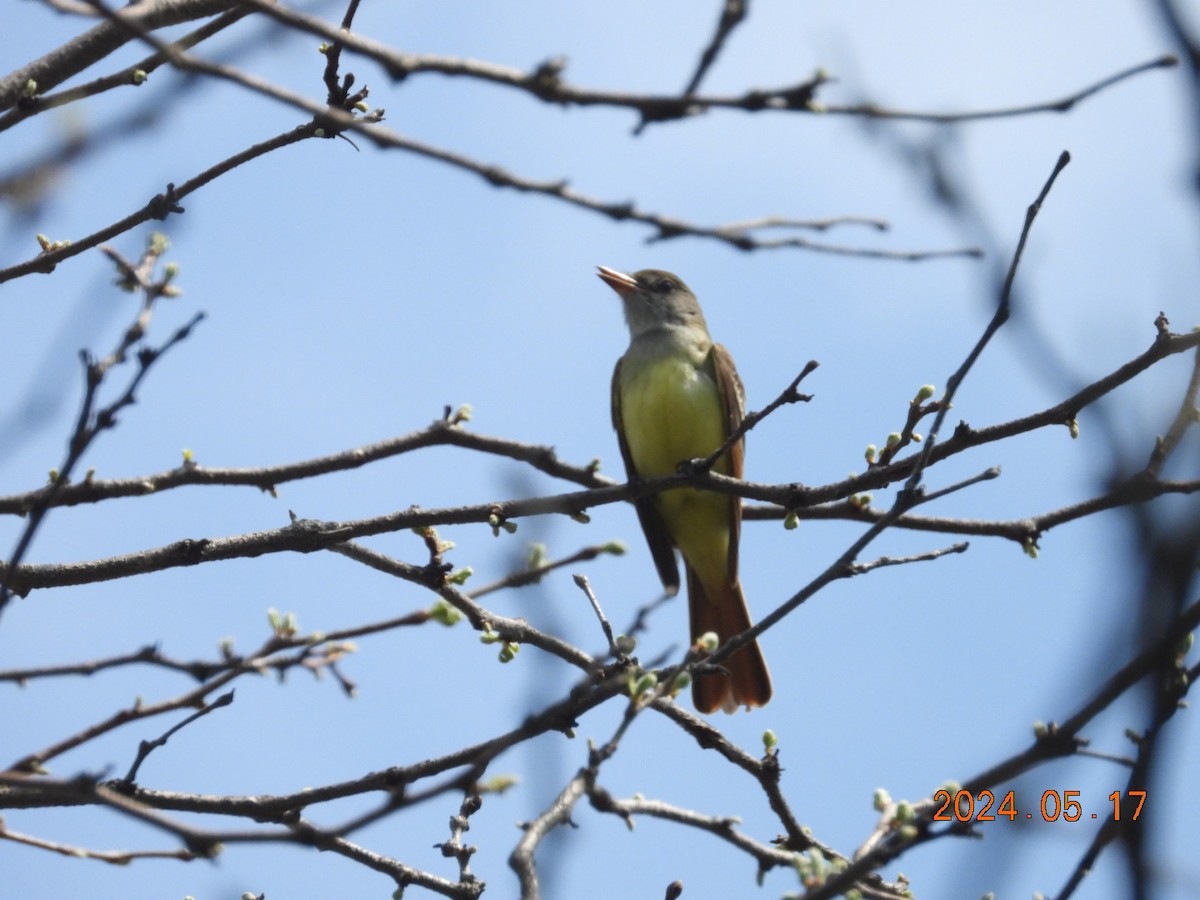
x,y
770,741
904,812
188,457
445,614
497,523
646,683
908,832
286,626
535,557
1073,427
138,77
460,577
30,89
324,48
616,548
319,132
708,642
625,643
791,521
581,517
893,439
462,414
679,684
53,473
501,783
1039,729
870,453
361,106
1029,546
925,392
509,651
489,637
157,243
882,799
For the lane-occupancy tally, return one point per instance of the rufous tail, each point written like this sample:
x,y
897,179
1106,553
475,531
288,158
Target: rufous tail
x,y
748,682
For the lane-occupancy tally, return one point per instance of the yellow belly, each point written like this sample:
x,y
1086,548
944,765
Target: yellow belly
x,y
671,411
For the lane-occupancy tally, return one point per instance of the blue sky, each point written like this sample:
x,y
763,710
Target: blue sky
x,y
350,295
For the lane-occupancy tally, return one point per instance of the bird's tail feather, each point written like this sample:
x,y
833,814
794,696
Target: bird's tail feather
x,y
748,682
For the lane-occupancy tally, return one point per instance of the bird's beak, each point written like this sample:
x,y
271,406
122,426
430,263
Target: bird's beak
x,y
620,282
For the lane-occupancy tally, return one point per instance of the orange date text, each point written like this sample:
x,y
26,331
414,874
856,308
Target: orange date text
x,y
1054,806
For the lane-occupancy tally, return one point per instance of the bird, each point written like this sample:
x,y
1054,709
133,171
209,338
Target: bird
x,y
676,396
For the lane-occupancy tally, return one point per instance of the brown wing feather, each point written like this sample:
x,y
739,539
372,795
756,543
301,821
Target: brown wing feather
x,y
733,400
657,536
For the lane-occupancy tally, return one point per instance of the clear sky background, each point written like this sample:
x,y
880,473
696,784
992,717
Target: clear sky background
x,y
350,295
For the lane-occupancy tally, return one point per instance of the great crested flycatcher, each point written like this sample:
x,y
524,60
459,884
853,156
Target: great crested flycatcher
x,y
676,396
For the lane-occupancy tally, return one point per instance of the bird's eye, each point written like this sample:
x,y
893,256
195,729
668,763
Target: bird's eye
x,y
665,286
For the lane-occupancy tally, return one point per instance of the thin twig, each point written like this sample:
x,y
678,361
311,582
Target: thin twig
x,y
733,13
884,561
584,585
130,76
1054,742
1003,307
910,496
112,857
546,83
89,425
789,395
145,748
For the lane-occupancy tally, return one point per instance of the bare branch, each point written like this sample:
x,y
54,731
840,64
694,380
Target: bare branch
x,y
94,45
145,748
161,206
558,813
307,535
91,422
546,84
112,857
130,76
1062,105
733,13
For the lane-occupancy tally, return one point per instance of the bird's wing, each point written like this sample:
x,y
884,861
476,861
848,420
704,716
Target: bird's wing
x,y
733,402
653,526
